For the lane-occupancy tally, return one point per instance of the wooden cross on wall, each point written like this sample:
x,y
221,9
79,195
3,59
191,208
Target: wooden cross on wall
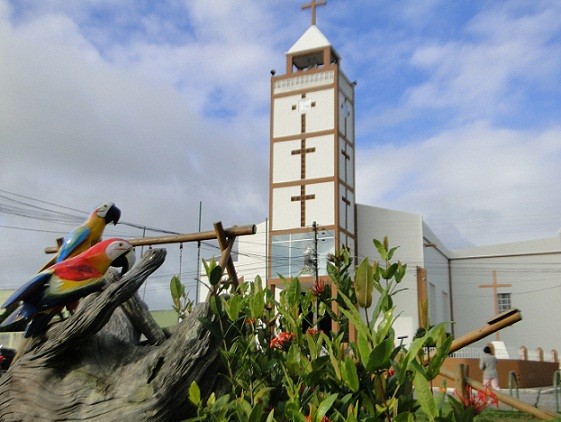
x,y
303,105
347,206
312,5
495,286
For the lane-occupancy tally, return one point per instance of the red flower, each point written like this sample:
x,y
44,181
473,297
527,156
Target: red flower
x,y
312,331
478,401
281,340
323,419
318,287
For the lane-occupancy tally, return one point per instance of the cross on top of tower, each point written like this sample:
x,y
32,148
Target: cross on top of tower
x,y
312,5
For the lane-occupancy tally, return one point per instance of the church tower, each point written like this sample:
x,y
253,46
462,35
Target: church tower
x,y
312,183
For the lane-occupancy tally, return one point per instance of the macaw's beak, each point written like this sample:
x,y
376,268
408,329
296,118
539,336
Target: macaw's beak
x,y
125,261
113,214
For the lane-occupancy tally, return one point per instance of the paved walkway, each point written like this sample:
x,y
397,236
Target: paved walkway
x,y
544,398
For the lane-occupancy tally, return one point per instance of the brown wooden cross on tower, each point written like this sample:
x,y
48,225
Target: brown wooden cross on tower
x,y
312,5
303,197
495,286
304,105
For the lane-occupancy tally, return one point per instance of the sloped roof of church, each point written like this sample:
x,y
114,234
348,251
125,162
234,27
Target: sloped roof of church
x,y
312,39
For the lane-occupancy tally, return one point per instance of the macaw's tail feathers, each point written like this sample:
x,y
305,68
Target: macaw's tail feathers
x,y
14,317
38,324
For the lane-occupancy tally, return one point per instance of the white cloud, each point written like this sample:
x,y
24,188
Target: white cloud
x,y
487,182
488,73
160,105
78,130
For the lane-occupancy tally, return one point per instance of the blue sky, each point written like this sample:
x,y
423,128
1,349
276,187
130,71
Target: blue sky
x,y
159,106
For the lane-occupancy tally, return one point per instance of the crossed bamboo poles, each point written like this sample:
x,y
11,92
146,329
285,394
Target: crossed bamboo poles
x,y
497,323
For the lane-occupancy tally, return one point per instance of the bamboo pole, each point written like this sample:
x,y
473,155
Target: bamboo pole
x,y
226,244
182,238
495,324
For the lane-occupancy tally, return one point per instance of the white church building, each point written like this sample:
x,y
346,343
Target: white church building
x,y
312,207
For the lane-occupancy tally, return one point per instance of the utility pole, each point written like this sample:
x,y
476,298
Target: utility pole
x,y
316,270
311,255
198,279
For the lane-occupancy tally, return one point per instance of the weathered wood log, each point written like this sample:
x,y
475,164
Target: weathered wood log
x,y
92,367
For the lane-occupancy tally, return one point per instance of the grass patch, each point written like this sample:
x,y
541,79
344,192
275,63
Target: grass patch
x,y
491,415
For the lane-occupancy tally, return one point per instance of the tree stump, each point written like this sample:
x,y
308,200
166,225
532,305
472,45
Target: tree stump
x,y
92,366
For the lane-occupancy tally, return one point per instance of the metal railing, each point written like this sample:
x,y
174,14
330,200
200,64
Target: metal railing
x,y
513,352
557,388
513,384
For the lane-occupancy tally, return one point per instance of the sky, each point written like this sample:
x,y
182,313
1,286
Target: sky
x,y
163,108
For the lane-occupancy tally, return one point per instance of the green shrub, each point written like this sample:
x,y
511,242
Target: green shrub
x,y
281,368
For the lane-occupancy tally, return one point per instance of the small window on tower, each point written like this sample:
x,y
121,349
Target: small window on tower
x,y
504,302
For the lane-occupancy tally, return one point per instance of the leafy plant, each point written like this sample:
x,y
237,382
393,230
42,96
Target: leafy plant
x,y
182,305
281,366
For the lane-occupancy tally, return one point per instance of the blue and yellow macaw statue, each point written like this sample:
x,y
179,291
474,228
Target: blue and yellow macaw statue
x,y
86,235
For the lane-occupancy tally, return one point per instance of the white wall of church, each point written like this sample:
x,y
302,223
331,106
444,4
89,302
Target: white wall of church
x,y
284,121
286,213
535,278
406,231
346,211
291,164
320,163
316,209
346,165
438,279
346,117
321,116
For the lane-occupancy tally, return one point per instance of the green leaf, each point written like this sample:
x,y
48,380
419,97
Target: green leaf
x,y
324,407
414,348
444,341
220,401
293,292
257,303
215,304
350,374
380,356
364,348
176,287
233,307
332,357
424,396
271,416
312,346
391,252
256,413
385,326
401,271
405,417
364,284
390,272
215,275
195,394
258,283
381,249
